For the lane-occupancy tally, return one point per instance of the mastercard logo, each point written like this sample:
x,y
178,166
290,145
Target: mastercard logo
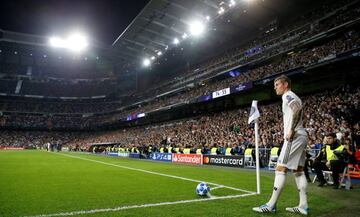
x,y
206,160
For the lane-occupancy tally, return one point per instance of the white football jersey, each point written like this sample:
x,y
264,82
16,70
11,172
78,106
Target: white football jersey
x,y
288,98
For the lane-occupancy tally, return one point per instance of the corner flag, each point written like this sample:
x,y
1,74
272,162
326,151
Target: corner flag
x,y
254,112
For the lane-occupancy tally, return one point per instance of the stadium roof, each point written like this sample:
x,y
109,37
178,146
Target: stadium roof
x,y
161,21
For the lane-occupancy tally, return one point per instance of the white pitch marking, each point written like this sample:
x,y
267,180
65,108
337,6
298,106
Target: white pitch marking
x,y
214,188
140,206
217,187
156,173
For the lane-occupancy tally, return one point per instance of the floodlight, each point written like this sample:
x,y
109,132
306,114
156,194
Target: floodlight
x,y
196,28
146,62
176,41
77,42
57,42
221,10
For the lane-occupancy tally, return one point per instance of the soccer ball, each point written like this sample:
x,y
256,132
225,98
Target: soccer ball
x,y
202,189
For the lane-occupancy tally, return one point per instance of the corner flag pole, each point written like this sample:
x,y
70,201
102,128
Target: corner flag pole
x,y
254,115
257,157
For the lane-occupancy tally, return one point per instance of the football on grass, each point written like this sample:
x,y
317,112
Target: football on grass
x,y
202,189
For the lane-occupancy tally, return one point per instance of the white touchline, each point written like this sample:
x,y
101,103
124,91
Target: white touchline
x,y
156,173
139,206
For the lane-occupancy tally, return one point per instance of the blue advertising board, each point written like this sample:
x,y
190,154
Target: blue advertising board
x,y
112,153
134,155
161,156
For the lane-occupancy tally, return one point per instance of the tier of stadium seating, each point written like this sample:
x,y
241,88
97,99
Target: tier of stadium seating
x,y
325,111
69,72
349,41
60,68
6,85
11,69
58,87
58,107
67,89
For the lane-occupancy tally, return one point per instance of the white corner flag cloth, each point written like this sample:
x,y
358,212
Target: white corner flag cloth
x,y
254,112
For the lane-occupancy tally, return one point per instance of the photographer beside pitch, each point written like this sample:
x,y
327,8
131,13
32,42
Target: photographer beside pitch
x,y
292,155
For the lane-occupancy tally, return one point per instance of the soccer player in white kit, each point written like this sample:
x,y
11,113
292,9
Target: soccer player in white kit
x,y
292,155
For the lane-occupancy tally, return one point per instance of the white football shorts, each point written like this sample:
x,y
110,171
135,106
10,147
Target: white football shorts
x,y
292,154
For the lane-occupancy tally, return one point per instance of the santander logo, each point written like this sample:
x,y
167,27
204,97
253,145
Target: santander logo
x,y
188,158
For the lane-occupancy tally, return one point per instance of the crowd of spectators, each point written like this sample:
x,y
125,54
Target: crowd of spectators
x,y
329,111
28,121
40,139
348,41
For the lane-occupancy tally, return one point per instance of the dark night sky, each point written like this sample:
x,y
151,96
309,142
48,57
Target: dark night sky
x,y
102,20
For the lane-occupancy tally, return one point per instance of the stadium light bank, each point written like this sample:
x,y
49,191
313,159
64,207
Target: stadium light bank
x,y
75,42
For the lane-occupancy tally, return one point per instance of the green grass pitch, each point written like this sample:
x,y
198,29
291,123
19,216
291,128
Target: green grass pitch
x,y
34,183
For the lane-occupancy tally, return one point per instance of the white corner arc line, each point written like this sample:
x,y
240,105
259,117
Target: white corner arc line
x,y
156,173
81,212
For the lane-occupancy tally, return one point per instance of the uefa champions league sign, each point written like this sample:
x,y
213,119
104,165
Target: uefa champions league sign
x,y
161,156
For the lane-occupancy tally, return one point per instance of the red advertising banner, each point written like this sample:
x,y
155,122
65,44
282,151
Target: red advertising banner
x,y
187,158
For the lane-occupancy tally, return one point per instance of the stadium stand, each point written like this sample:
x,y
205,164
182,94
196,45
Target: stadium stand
x,y
224,129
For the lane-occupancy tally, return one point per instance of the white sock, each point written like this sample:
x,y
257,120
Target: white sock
x,y
279,183
302,184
